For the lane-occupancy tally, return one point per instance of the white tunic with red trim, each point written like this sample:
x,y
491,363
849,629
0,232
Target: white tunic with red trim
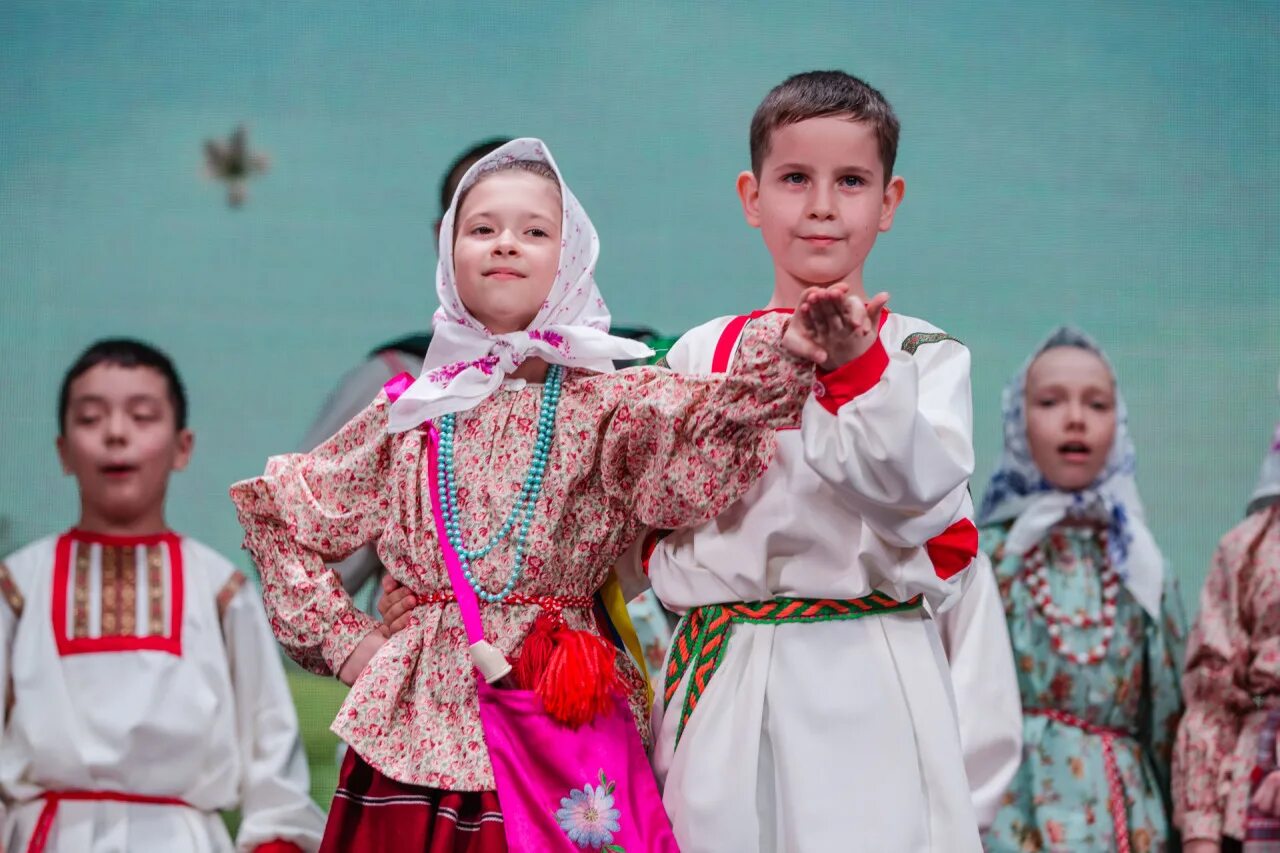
x,y
837,735
145,694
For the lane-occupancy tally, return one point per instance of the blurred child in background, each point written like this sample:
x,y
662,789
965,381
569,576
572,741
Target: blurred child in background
x,y
1095,619
145,693
1227,790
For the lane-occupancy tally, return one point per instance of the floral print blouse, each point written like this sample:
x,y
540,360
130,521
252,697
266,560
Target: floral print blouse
x,y
1060,799
1232,680
634,449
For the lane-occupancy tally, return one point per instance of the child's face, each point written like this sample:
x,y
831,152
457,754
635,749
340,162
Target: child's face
x,y
120,442
507,248
821,199
1071,416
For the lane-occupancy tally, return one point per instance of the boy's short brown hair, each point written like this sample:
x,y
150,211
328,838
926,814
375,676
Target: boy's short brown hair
x,y
815,94
124,352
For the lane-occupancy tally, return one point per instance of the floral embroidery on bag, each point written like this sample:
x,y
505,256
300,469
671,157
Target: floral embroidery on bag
x,y
588,817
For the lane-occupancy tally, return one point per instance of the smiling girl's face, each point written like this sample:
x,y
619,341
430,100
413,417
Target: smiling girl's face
x,y
507,247
1071,416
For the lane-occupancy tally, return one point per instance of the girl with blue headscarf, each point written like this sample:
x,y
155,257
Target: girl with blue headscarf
x,y
1096,623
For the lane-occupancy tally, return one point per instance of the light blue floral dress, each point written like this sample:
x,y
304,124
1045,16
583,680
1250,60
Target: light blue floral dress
x,y
1059,799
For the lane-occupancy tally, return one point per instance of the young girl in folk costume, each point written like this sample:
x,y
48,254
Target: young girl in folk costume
x,y
1095,622
1226,788
550,464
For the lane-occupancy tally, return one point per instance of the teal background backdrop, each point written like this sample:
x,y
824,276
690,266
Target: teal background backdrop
x,y
1111,165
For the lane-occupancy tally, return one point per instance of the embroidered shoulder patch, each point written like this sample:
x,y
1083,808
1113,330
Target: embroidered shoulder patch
x,y
228,592
914,341
10,591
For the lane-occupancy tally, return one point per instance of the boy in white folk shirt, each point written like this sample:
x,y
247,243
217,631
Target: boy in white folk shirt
x,y
145,691
808,701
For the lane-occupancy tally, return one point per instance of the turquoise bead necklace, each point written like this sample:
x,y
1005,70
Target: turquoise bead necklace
x,y
521,515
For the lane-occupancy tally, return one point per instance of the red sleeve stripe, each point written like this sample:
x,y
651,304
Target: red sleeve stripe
x,y
855,378
728,340
953,549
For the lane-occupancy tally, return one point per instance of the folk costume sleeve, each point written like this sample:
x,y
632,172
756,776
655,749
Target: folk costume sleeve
x,y
681,449
275,800
892,431
350,397
1166,639
988,705
309,508
1216,664
10,611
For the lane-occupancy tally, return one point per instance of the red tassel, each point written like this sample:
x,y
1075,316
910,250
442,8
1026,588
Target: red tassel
x,y
535,654
580,680
573,672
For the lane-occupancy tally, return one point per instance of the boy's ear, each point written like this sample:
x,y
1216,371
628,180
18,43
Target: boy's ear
x,y
749,194
893,193
61,444
186,443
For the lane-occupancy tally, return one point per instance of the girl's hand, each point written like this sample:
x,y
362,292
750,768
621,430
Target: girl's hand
x,y
360,657
1267,798
395,605
831,329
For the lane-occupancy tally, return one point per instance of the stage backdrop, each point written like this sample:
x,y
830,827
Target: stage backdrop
x,y
1111,165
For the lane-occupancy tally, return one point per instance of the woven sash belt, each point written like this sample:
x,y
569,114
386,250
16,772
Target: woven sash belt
x,y
703,634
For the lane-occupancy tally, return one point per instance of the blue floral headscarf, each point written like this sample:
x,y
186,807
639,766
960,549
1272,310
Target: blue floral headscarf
x,y
1019,492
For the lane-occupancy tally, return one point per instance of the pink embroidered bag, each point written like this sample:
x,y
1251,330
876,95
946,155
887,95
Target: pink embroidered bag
x,y
560,788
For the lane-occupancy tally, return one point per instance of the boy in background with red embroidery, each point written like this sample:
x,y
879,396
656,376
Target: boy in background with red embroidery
x,y
145,694
807,701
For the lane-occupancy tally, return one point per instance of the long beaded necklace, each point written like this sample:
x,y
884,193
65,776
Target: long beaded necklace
x,y
521,515
1038,585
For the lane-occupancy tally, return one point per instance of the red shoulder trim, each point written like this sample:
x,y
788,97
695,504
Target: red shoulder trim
x,y
729,337
9,589
228,592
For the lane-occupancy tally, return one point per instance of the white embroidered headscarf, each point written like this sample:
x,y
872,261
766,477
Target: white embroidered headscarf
x,y
1267,491
1018,490
466,362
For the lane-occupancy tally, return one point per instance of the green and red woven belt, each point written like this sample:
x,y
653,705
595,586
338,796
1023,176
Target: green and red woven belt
x,y
703,634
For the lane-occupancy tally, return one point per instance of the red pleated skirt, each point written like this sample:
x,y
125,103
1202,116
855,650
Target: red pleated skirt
x,y
373,813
